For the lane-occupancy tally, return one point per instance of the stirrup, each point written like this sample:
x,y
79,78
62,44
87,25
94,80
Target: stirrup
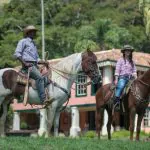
x,y
48,101
117,106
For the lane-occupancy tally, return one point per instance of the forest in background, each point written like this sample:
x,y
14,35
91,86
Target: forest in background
x,y
72,26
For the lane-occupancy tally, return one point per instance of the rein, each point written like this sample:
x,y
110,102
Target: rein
x,y
143,82
60,73
135,91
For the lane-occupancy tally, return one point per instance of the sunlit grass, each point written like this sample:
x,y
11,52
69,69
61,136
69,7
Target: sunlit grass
x,y
28,143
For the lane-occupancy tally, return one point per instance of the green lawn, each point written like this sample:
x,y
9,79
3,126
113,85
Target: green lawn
x,y
28,143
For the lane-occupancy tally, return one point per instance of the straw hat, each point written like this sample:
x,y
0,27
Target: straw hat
x,y
28,29
127,47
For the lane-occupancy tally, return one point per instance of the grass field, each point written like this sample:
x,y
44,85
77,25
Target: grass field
x,y
30,143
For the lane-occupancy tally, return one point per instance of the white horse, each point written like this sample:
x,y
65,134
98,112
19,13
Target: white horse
x,y
63,75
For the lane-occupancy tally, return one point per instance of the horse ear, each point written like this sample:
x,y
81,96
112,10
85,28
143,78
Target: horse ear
x,y
88,49
89,52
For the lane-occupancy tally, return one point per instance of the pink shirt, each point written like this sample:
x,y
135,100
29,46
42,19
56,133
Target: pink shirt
x,y
125,68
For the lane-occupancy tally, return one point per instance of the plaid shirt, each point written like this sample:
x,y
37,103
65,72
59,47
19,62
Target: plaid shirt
x,y
124,67
27,50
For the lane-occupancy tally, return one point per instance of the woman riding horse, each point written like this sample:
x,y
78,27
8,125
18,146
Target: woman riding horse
x,y
125,70
136,101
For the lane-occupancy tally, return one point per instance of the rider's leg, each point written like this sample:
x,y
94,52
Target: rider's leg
x,y
36,75
119,89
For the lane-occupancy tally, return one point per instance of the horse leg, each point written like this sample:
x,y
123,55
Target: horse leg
x,y
43,122
3,118
116,121
50,118
138,129
99,120
109,123
132,120
56,123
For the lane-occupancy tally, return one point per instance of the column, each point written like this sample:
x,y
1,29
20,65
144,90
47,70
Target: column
x,y
75,129
107,78
135,122
16,121
107,75
43,124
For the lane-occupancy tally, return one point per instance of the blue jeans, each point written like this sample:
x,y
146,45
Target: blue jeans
x,y
40,82
123,80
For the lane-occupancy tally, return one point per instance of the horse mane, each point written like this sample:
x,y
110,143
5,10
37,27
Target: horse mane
x,y
89,53
66,64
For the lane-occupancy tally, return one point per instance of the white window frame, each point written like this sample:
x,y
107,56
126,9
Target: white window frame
x,y
146,118
81,90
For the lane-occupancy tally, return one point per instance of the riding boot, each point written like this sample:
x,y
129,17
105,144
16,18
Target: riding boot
x,y
48,100
117,104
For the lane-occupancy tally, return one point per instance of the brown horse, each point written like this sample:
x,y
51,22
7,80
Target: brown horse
x,y
135,102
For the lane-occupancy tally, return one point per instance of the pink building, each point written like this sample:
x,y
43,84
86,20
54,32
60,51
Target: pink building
x,y
83,99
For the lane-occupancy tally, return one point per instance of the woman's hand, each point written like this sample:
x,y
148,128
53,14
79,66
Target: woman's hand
x,y
116,80
46,63
134,76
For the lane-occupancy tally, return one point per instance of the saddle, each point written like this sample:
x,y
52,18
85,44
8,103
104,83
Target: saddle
x,y
22,77
24,80
112,93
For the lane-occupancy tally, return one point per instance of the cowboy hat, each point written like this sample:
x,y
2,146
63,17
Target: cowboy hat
x,y
127,47
28,29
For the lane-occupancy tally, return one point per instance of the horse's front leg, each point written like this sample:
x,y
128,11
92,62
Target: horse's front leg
x,y
99,120
43,122
132,120
56,123
138,129
4,108
109,123
50,118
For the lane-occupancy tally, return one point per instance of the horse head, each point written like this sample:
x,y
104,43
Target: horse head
x,y
89,66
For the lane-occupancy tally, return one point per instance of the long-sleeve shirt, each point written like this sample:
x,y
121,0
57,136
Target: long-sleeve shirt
x,y
27,50
124,67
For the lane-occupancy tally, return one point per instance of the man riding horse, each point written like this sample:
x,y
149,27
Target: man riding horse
x,y
26,52
125,70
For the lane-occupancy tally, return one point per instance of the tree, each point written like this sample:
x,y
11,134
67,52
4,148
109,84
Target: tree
x,y
72,25
116,37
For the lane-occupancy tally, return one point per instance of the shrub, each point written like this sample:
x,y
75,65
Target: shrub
x,y
90,134
23,125
119,134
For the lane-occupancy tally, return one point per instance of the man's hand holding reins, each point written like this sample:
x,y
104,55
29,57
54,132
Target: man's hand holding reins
x,y
43,62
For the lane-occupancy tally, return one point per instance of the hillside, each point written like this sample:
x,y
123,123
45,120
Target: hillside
x,y
73,25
